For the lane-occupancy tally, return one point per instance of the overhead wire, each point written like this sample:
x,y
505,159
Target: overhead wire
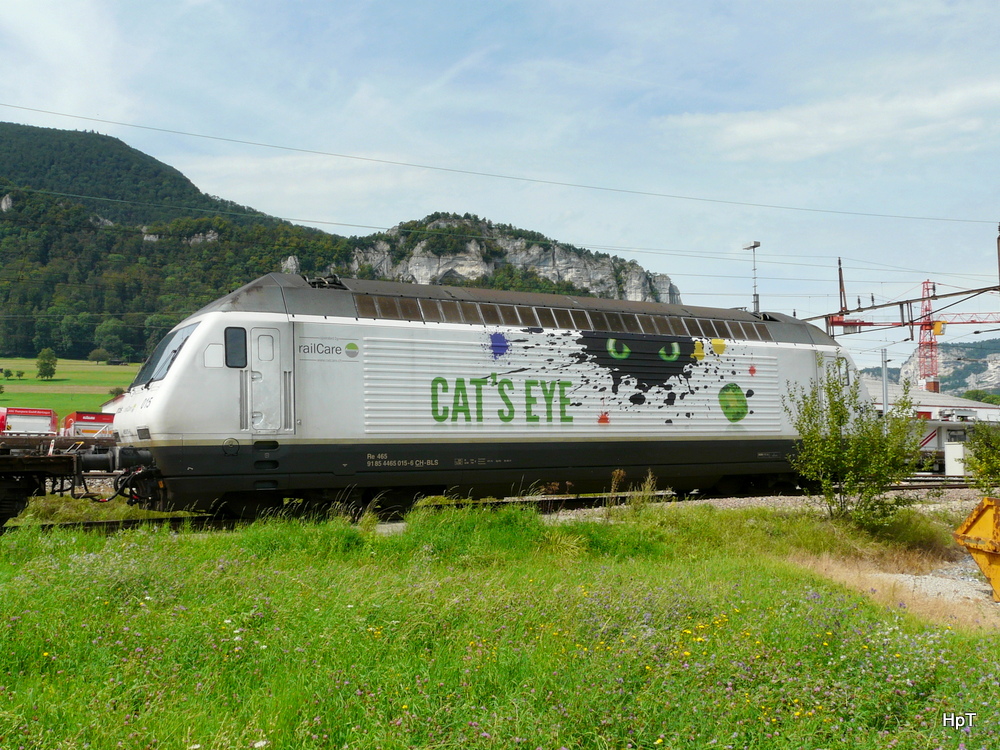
x,y
496,175
657,251
467,236
767,259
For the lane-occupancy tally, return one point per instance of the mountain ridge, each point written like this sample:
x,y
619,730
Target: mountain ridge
x,y
961,367
90,166
102,246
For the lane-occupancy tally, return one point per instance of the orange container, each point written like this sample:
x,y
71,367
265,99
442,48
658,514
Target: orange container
x,y
980,534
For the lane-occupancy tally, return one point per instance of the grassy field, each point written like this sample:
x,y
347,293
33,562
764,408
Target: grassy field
x,y
77,386
670,627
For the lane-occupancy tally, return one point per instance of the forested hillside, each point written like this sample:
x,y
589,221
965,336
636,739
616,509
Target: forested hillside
x,y
116,273
963,367
137,188
73,284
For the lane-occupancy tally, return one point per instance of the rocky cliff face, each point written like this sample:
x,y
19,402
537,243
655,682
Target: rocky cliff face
x,y
459,249
963,367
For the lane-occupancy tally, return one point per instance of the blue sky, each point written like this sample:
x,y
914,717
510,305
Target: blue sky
x,y
686,114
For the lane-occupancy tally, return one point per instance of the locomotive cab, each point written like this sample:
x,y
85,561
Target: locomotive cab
x,y
213,388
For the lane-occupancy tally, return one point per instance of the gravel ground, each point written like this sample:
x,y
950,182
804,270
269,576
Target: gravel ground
x,y
961,581
959,500
956,581
937,499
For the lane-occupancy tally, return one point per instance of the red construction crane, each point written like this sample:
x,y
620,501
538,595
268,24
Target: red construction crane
x,y
927,349
931,325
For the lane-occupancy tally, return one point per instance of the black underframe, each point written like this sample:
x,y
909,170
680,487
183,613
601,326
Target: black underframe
x,y
198,474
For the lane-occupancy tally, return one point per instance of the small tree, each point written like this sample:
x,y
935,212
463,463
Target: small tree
x,y
19,374
8,374
99,355
982,457
46,364
846,449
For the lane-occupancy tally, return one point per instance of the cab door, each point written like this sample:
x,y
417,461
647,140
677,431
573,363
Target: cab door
x,y
270,384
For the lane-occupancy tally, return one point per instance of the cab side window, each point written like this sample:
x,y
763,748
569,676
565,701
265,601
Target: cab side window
x,y
236,347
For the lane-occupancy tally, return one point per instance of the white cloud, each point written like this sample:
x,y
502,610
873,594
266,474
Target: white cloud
x,y
872,105
58,55
960,118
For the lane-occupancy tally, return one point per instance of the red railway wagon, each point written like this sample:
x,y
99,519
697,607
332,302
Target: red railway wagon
x,y
88,424
26,421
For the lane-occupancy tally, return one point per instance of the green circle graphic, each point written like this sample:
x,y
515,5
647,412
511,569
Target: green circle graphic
x,y
733,402
352,350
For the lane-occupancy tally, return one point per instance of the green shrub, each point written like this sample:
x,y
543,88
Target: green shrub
x,y
849,451
982,457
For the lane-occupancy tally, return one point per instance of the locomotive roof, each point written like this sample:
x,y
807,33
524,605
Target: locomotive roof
x,y
293,294
298,295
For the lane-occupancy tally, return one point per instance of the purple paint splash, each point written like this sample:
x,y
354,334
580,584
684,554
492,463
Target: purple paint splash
x,y
499,345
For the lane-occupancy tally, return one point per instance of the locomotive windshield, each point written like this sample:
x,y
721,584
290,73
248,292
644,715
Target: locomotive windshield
x,y
156,367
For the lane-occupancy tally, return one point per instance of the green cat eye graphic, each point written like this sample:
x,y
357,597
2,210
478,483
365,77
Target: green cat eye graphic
x,y
733,402
613,349
675,352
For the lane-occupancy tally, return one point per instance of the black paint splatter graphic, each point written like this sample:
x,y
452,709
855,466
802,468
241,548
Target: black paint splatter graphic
x,y
644,371
648,361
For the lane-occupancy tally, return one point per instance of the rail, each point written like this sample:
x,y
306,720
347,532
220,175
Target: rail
x,y
545,504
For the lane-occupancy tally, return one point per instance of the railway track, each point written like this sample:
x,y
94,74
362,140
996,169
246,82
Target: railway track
x,y
545,504
933,481
195,523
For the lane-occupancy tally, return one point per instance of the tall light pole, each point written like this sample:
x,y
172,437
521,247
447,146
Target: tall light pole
x,y
885,390
752,247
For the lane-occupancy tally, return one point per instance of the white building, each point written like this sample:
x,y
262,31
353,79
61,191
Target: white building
x,y
945,419
937,406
